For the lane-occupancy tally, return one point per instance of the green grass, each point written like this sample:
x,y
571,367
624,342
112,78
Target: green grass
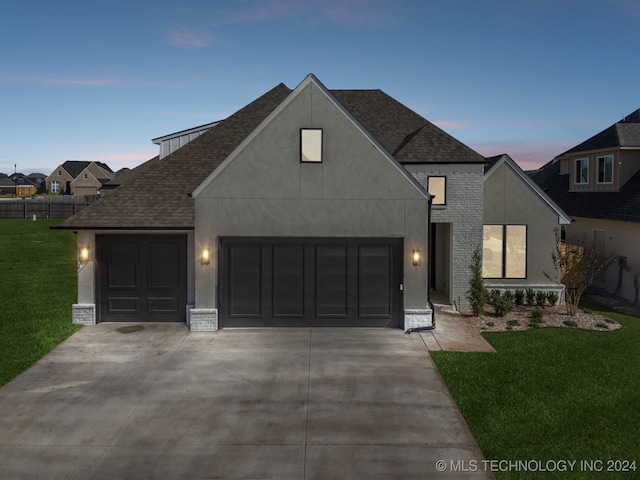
x,y
38,285
553,394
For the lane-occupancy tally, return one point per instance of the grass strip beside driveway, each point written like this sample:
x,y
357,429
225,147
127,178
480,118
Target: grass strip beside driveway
x,y
38,285
553,394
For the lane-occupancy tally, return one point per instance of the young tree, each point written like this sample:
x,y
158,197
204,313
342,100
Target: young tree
x,y
477,293
578,265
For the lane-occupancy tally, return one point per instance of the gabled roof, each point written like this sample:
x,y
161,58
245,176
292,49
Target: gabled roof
x,y
493,163
622,205
75,167
622,134
159,198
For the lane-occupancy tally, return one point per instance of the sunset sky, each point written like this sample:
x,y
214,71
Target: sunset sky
x,y
97,80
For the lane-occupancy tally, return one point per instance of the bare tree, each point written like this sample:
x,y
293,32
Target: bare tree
x,y
578,265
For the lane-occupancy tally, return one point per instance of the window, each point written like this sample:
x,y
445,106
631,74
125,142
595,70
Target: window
x,y
582,171
59,172
55,186
605,169
311,145
437,186
86,175
504,251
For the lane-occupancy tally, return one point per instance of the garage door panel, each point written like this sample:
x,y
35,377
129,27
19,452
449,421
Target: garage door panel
x,y
123,266
332,286
162,305
374,272
310,282
246,292
288,281
123,304
164,271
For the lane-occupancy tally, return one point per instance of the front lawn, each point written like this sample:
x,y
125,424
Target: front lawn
x,y
553,394
38,285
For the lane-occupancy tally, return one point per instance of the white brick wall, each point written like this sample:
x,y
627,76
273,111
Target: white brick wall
x,y
84,314
464,210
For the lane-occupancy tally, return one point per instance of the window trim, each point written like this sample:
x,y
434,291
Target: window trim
x,y
576,175
598,171
304,159
444,201
505,239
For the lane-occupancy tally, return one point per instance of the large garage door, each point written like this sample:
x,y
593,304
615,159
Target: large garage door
x,y
310,282
142,278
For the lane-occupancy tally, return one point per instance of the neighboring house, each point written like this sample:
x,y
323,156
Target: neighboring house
x,y
598,184
23,186
520,230
7,186
39,180
77,177
307,207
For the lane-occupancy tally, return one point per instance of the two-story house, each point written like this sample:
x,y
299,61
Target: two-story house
x,y
78,177
307,207
598,184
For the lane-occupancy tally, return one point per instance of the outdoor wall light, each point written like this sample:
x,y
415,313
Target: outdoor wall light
x,y
416,257
205,257
85,254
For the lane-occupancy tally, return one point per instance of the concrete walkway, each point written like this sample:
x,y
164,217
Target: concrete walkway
x,y
454,332
153,401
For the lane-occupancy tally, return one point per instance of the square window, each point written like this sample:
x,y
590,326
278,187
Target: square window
x,y
437,186
582,171
605,169
311,145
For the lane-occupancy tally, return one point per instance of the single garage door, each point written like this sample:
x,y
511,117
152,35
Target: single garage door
x,y
142,278
310,282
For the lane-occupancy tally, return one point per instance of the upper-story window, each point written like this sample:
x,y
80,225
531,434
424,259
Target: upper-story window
x,y
86,175
437,186
311,145
59,172
605,169
581,172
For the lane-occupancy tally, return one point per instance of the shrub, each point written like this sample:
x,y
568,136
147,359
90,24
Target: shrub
x,y
541,298
570,323
552,297
508,294
519,297
477,293
531,296
493,296
536,315
502,305
513,323
602,325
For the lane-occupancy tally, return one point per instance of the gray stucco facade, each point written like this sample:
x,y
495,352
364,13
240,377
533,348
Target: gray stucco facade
x,y
263,190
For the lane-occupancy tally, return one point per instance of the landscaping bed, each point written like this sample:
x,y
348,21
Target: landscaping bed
x,y
522,318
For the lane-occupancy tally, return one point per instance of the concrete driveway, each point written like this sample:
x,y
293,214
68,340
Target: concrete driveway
x,y
153,401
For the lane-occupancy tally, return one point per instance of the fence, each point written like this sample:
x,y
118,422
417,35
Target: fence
x,y
59,207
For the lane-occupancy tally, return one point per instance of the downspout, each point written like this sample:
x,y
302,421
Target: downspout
x,y
429,302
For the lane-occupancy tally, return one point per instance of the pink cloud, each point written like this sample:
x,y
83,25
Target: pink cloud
x,y
450,124
194,38
529,156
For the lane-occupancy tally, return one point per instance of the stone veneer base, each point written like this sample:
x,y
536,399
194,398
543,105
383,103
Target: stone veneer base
x,y
203,319
418,318
84,314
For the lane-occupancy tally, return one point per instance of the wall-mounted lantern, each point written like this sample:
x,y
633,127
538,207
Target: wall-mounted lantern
x,y
84,254
416,257
205,256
